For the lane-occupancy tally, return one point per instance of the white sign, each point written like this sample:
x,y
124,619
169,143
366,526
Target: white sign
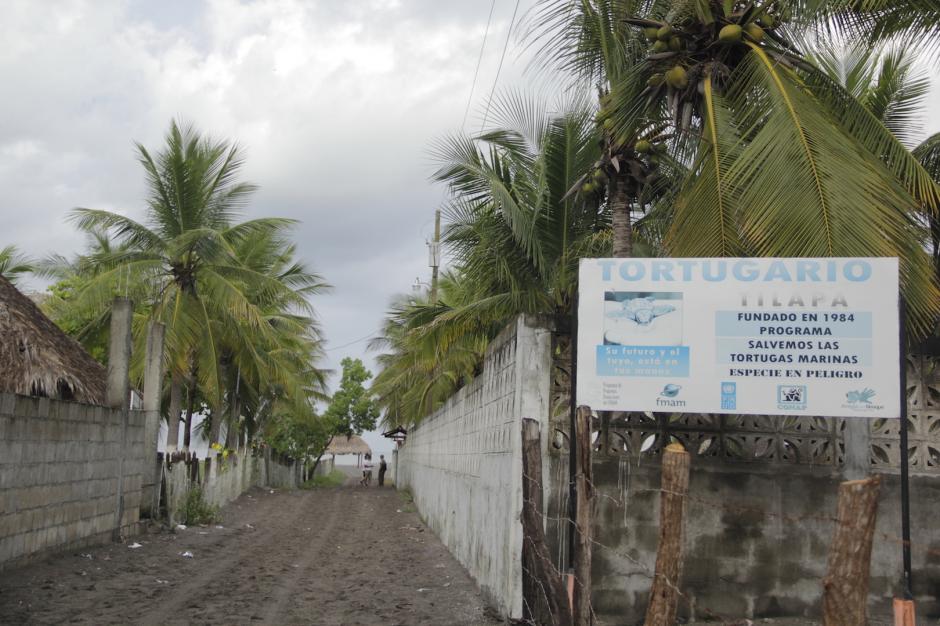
x,y
749,336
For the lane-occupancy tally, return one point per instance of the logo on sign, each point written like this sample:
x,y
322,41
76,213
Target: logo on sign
x,y
667,396
729,396
861,400
792,397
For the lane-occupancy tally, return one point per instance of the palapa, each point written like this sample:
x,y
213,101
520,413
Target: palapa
x,y
38,359
348,445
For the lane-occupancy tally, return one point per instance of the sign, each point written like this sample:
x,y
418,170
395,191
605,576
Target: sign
x,y
752,336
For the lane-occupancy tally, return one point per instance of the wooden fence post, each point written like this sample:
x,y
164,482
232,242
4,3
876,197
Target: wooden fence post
x,y
664,593
544,600
584,536
845,587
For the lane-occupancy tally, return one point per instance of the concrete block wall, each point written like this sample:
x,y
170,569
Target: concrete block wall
x,y
756,541
226,479
59,474
463,464
271,472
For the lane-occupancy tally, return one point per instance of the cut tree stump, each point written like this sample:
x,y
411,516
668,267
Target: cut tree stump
x,y
664,594
845,587
544,600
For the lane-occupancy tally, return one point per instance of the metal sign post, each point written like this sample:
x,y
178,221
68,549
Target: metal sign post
x,y
572,444
905,483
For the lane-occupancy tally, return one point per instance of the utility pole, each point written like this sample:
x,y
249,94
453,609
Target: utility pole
x,y
434,255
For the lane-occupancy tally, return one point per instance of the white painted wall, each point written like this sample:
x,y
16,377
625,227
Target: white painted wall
x,y
463,464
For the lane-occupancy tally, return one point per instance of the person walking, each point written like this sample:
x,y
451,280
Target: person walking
x,y
366,470
383,466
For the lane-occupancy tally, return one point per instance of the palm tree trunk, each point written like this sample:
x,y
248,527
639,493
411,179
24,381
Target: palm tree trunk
x,y
215,428
619,200
231,435
190,404
173,416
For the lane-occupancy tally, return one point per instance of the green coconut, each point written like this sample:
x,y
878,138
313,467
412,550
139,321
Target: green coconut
x,y
643,146
587,187
651,33
675,44
608,124
599,175
755,32
731,33
677,77
767,21
660,46
664,33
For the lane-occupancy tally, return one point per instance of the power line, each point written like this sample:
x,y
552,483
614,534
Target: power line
x,y
479,60
502,57
346,345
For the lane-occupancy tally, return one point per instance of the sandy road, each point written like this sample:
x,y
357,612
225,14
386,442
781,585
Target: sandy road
x,y
329,556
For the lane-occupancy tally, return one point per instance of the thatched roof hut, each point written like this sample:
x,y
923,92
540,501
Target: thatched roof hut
x,y
38,359
348,445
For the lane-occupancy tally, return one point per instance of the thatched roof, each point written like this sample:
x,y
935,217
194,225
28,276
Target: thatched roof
x,y
38,359
348,445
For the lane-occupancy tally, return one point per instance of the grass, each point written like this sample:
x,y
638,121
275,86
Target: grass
x,y
408,501
334,479
196,510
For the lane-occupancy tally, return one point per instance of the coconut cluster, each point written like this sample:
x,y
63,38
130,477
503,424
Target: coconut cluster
x,y
640,157
680,53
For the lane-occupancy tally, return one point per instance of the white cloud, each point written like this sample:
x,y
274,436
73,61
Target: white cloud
x,y
336,103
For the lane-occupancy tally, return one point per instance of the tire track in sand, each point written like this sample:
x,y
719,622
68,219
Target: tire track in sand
x,y
212,592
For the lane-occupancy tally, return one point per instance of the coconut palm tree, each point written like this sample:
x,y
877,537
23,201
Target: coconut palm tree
x,y
262,367
886,81
515,234
13,264
783,160
593,42
182,260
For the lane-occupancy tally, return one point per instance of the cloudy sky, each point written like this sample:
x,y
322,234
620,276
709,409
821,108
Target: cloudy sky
x,y
335,101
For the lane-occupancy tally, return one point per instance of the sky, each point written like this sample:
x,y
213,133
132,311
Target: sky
x,y
335,102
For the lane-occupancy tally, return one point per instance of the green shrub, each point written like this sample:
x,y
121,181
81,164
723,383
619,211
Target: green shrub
x,y
334,479
196,510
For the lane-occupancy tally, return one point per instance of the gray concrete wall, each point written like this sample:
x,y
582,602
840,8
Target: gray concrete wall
x,y
463,463
59,466
756,541
226,479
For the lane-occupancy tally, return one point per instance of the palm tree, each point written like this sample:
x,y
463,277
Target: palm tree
x,y
416,373
593,42
13,264
259,368
783,160
183,263
887,83
928,153
515,234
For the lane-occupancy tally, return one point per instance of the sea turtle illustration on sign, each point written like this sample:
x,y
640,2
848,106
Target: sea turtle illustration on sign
x,y
860,397
642,310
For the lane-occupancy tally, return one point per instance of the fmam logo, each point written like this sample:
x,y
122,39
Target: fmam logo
x,y
791,397
667,396
861,400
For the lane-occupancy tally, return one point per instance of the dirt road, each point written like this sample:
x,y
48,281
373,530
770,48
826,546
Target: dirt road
x,y
328,556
